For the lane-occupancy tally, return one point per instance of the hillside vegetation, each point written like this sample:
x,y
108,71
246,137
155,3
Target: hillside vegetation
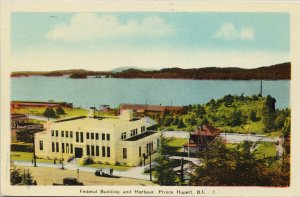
x,y
241,114
274,72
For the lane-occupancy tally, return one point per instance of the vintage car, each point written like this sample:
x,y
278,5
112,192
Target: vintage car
x,y
71,181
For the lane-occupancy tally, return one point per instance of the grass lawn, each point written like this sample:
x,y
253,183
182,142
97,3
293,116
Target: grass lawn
x,y
26,156
177,142
121,168
266,149
38,111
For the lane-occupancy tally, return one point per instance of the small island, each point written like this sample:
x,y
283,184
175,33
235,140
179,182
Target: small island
x,y
78,76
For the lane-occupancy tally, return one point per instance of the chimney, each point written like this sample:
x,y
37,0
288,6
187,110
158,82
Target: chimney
x,y
126,114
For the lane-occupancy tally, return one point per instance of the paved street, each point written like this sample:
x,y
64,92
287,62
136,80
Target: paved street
x,y
134,172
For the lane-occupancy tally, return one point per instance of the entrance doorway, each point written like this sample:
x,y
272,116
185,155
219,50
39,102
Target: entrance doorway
x,y
78,152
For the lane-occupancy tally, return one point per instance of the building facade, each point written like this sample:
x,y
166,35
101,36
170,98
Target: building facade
x,y
124,139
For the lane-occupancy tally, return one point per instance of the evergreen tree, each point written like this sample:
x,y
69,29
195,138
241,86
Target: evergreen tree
x,y
50,113
19,177
181,124
175,121
168,120
268,113
164,171
60,111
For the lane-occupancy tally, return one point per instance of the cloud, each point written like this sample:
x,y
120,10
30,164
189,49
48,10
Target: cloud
x,y
106,59
228,31
90,26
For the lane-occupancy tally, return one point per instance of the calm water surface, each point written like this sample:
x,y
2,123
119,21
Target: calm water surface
x,y
97,91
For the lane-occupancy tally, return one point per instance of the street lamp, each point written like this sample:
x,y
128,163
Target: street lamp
x,y
62,159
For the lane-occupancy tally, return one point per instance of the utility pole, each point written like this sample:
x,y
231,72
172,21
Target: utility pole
x,y
150,166
34,157
77,174
181,172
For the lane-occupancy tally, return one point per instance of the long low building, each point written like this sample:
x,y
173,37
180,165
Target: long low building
x,y
123,139
140,108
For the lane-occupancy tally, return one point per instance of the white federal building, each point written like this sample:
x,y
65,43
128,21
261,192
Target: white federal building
x,y
122,139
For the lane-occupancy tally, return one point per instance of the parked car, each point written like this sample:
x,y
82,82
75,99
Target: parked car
x,y
71,181
104,172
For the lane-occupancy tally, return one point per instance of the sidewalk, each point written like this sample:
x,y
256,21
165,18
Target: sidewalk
x,y
134,172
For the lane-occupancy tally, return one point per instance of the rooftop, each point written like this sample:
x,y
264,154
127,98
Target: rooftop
x,y
143,135
100,122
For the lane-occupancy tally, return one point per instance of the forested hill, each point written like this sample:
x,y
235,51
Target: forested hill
x,y
274,72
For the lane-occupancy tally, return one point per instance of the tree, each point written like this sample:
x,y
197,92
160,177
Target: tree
x,y
181,124
168,120
175,121
236,167
252,116
268,113
215,170
60,111
236,118
19,177
164,170
50,113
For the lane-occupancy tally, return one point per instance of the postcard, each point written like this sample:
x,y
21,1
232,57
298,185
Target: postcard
x,y
152,98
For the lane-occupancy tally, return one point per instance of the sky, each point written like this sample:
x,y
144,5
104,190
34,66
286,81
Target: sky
x,y
152,40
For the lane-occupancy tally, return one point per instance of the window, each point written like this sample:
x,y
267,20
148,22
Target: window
x,y
140,151
103,151
53,147
71,148
124,153
71,134
67,148
143,129
56,133
97,150
57,147
97,136
77,137
92,136
108,151
67,134
103,136
62,147
93,150
81,136
87,149
131,133
87,135
123,135
52,132
62,134
107,137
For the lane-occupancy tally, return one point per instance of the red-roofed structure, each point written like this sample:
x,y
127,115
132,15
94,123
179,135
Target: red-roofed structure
x,y
201,136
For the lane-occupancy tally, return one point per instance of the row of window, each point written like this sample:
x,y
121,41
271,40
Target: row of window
x,y
65,147
63,133
95,151
79,135
96,136
133,132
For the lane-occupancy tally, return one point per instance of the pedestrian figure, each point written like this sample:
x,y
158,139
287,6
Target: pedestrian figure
x,y
111,171
54,161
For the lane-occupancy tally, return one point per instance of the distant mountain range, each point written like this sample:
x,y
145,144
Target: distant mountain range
x,y
274,72
124,68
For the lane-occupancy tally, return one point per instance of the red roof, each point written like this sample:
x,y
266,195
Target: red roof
x,y
206,130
